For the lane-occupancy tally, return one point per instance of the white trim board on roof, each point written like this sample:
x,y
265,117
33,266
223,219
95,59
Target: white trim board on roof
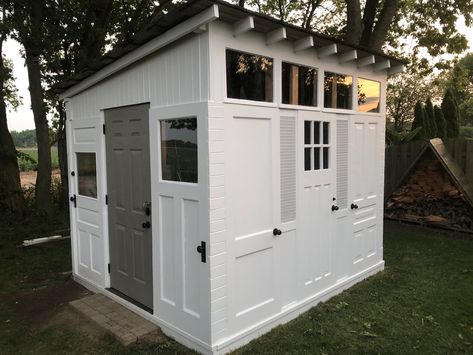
x,y
182,29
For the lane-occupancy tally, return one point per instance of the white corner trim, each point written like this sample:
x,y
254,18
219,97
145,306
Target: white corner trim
x,y
182,29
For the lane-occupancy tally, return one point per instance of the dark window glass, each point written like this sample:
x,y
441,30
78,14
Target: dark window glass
x,y
87,174
307,132
326,132
316,132
316,158
368,95
326,157
338,91
299,85
307,158
249,76
179,150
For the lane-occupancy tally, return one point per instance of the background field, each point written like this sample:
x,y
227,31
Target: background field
x,y
26,165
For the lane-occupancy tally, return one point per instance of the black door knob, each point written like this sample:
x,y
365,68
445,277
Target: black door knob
x,y
334,208
146,225
354,206
276,232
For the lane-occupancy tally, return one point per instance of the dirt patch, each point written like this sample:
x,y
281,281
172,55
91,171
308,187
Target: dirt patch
x,y
36,308
28,178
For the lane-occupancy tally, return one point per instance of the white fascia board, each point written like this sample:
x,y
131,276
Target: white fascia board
x,y
303,43
244,25
327,50
277,35
173,34
348,56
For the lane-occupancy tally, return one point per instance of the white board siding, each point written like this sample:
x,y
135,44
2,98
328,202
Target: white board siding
x,y
174,75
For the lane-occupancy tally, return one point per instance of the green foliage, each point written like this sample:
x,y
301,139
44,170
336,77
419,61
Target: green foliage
x,y
24,139
430,119
466,132
419,120
395,137
10,91
440,122
450,112
28,159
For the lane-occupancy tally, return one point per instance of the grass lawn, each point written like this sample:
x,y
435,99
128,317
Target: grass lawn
x,y
422,303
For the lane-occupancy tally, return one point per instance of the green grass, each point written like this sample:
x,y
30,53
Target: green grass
x,y
33,153
422,303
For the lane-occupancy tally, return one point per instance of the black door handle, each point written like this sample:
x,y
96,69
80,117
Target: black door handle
x,y
354,206
276,232
201,249
334,208
146,225
74,199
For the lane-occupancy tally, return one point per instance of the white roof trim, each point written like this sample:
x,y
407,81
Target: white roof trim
x,y
244,25
184,28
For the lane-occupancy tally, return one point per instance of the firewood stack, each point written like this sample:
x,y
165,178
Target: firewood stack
x,y
428,196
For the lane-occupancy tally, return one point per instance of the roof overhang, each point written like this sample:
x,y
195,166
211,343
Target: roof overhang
x,y
195,14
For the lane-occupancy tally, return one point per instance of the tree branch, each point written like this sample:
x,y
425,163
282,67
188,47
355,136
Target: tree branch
x,y
368,21
382,25
353,21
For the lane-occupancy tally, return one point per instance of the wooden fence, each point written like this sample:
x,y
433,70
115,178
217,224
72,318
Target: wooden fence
x,y
400,157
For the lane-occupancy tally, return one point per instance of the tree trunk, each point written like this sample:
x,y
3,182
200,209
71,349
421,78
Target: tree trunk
x,y
43,178
62,154
369,16
353,22
11,195
382,25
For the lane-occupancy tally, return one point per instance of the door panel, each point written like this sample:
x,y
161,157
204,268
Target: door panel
x,y
364,187
128,181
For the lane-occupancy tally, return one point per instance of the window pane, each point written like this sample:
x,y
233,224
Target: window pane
x,y
316,158
307,132
299,85
316,132
87,174
249,76
326,157
179,150
338,91
326,132
307,158
368,95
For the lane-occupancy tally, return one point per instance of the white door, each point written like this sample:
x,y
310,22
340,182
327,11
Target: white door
x,y
252,186
317,196
365,158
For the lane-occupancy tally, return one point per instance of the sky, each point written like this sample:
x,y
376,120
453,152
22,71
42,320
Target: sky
x,y
23,118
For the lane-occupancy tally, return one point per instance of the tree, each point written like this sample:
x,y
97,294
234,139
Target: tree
x,y
11,195
419,120
440,121
430,119
450,112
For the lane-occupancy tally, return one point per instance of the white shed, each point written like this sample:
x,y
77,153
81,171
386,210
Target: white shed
x,y
226,172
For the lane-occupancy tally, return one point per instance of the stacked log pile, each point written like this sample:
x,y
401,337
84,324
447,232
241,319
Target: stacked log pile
x,y
428,196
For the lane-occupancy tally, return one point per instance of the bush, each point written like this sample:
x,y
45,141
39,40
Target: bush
x,y
466,131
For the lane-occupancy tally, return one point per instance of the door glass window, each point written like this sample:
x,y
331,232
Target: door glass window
x,y
369,92
249,76
87,174
316,145
299,85
179,150
338,91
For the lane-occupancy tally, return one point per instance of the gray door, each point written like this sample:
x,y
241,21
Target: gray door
x,y
129,196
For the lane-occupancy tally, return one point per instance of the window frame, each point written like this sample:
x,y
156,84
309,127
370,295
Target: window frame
x,y
320,145
317,87
354,79
380,96
96,197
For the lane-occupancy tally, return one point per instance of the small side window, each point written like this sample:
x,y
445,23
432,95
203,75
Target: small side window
x,y
86,174
179,150
369,92
249,76
299,85
338,91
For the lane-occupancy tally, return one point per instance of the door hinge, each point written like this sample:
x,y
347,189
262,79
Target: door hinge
x,y
109,268
74,199
106,199
103,128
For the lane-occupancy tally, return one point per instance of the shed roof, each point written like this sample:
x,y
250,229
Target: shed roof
x,y
228,13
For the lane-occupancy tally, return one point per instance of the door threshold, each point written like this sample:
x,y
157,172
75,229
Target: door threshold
x,y
131,300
